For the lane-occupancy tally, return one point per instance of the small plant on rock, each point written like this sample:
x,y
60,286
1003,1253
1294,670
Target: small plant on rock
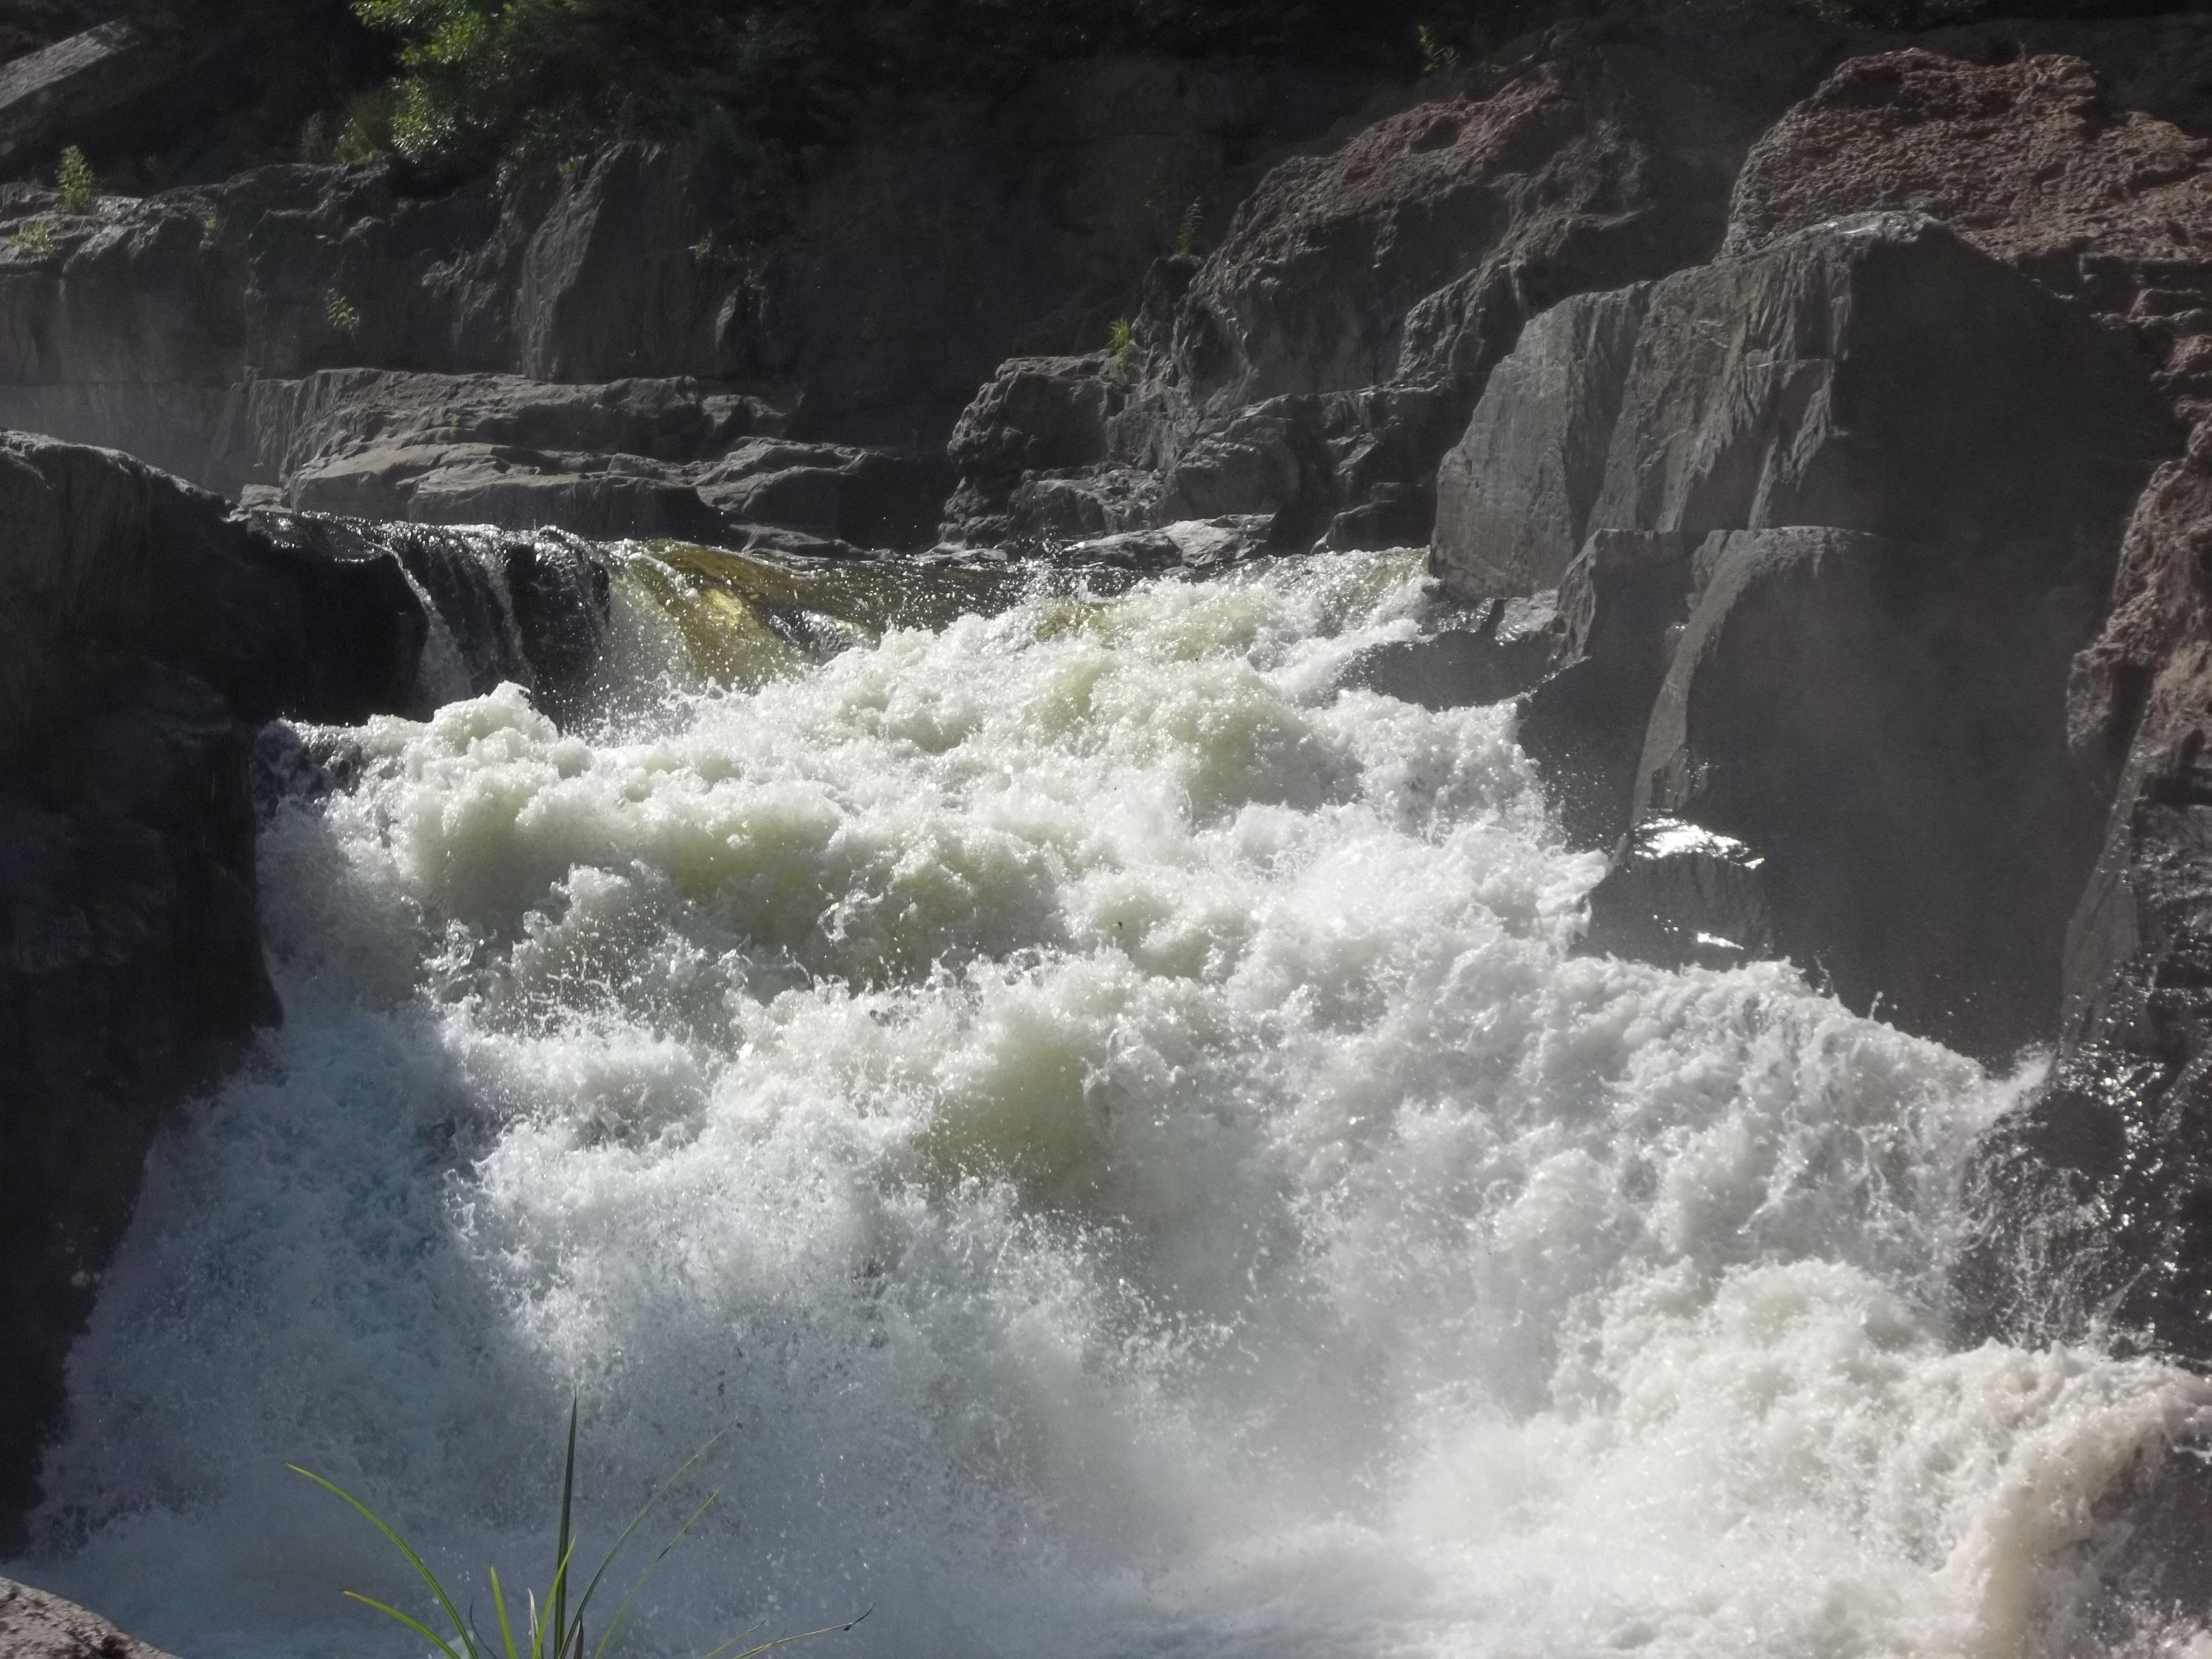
x,y
1121,349
80,185
551,1628
365,135
1438,57
36,239
342,314
1187,228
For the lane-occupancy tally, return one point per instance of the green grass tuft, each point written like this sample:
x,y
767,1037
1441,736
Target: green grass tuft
x,y
551,1629
80,185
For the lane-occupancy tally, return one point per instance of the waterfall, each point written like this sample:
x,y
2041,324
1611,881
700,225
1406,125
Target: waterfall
x,y
1104,1116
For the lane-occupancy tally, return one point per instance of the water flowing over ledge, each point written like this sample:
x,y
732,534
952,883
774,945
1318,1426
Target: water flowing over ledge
x,y
1108,1120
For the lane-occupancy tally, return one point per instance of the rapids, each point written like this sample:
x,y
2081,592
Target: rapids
x,y
1108,1125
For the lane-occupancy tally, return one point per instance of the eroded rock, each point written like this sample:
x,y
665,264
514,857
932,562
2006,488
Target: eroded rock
x,y
35,1623
1315,365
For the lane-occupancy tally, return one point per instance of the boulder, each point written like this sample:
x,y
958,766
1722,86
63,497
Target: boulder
x,y
1876,373
1678,894
1190,543
1903,467
35,1624
1465,658
2033,161
1883,723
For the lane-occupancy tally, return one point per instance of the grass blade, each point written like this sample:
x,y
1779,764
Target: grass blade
x,y
399,1544
651,1567
414,1625
797,1636
638,1520
499,1606
561,1548
539,1627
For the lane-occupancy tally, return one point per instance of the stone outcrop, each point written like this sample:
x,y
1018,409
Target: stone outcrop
x,y
642,458
35,1623
863,316
1827,521
2088,1202
51,96
1315,364
2034,161
148,634
2091,1201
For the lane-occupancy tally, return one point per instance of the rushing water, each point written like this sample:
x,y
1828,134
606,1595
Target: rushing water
x,y
1109,1125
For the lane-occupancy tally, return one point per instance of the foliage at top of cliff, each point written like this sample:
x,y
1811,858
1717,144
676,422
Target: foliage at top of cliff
x,y
482,82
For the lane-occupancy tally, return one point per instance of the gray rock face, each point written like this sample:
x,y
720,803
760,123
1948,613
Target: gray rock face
x,y
1678,894
64,92
1826,523
144,634
35,1624
868,322
1514,495
1875,374
1317,362
1884,723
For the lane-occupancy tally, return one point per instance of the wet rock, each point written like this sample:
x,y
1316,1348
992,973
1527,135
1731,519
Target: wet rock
x,y
1190,543
1679,895
1621,604
1499,651
2091,1206
1881,721
147,632
36,1625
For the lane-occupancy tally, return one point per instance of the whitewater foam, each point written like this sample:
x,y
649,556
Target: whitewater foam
x,y
1109,1125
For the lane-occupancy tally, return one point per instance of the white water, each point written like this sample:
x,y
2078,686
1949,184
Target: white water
x,y
1108,1124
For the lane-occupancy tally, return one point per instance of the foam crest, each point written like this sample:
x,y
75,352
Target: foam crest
x,y
1110,1126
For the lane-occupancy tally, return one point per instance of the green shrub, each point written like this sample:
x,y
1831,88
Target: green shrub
x,y
482,82
80,185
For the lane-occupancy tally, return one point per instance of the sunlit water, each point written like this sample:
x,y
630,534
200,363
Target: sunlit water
x,y
1108,1125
